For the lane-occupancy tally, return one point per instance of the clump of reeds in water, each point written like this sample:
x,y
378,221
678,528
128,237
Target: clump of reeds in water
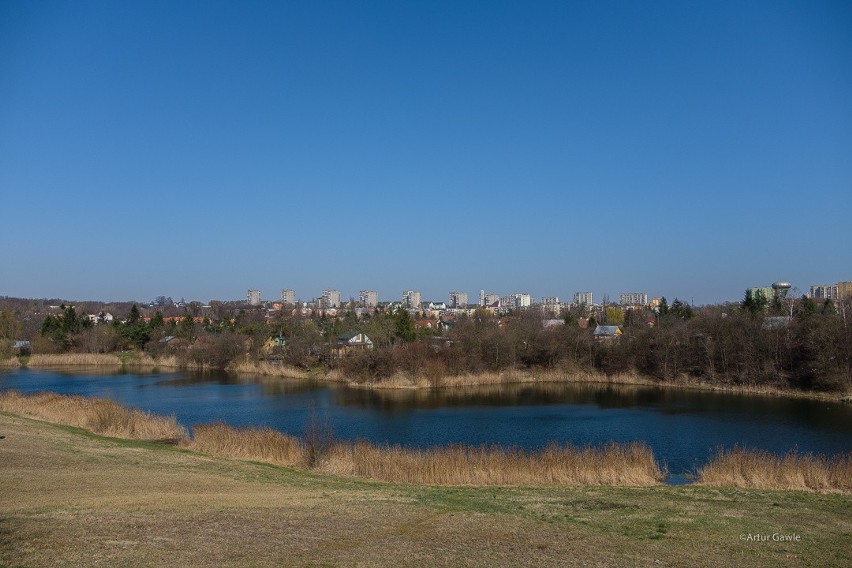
x,y
97,415
759,469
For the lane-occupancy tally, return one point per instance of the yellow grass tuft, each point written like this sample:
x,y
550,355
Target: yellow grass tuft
x,y
97,415
759,469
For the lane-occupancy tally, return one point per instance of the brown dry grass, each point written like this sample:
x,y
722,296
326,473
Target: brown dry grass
x,y
97,415
267,369
47,360
403,380
10,363
613,464
758,469
257,444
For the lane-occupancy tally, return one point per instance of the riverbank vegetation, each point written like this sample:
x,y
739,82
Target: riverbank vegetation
x,y
758,469
97,415
613,464
796,345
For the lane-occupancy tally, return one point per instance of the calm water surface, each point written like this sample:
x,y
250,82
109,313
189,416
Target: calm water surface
x,y
683,427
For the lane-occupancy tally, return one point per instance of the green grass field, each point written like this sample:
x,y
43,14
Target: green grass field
x,y
69,497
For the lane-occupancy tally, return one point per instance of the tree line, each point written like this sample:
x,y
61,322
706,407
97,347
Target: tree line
x,y
794,344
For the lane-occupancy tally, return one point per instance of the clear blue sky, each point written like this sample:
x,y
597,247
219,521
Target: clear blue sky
x,y
198,149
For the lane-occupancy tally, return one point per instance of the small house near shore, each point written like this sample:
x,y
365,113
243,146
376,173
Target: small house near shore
x,y
352,341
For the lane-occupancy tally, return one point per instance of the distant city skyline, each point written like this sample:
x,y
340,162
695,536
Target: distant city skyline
x,y
201,149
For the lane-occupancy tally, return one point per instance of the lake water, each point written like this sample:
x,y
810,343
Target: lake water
x,y
683,427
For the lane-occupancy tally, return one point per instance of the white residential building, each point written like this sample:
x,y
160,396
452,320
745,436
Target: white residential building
x,y
583,298
458,299
288,296
369,298
633,299
253,297
519,300
411,299
330,299
825,292
549,301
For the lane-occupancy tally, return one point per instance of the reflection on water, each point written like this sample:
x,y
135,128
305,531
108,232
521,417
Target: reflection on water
x,y
682,426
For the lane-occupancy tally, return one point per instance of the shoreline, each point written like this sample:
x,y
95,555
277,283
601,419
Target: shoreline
x,y
613,464
402,380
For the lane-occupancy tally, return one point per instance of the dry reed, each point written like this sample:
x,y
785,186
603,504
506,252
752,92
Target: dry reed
x,y
97,415
257,444
10,363
47,360
759,469
613,464
267,369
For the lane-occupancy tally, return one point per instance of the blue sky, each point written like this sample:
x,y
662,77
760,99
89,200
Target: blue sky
x,y
198,149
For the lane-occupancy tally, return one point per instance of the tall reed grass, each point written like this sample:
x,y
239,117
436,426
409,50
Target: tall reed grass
x,y
257,444
759,469
267,369
613,464
97,415
47,360
10,363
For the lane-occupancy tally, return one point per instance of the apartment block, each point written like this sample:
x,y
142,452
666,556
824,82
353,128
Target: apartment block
x,y
253,297
633,299
288,296
411,299
458,299
583,298
369,298
489,299
825,292
330,299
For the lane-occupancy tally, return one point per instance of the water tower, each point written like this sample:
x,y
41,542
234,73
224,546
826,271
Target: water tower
x,y
781,288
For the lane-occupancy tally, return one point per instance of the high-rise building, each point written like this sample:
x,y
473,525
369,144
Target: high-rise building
x,y
633,299
253,297
369,298
288,296
844,290
549,301
411,299
825,292
458,299
490,299
330,299
583,298
519,300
